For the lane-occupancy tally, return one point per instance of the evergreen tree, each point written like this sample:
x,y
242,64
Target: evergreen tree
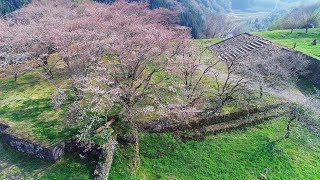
x,y
192,18
7,6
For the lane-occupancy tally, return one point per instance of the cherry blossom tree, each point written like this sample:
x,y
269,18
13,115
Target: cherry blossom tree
x,y
138,46
110,55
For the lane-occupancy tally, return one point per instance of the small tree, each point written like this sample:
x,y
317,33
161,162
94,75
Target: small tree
x,y
291,20
310,16
295,114
227,86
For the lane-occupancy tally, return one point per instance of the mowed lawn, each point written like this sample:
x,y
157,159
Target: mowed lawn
x,y
303,40
241,154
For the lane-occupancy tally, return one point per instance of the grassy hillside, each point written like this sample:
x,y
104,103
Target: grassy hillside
x,y
303,40
241,154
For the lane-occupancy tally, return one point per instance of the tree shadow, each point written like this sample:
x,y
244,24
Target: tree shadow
x,y
274,157
27,81
16,165
28,111
26,165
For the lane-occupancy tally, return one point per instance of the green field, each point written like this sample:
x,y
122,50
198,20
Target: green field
x,y
303,40
241,154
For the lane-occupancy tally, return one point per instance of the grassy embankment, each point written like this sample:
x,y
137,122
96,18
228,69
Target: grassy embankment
x,y
241,154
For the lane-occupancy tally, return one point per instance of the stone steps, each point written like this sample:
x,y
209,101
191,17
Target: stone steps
x,y
249,46
258,44
263,42
254,45
248,49
242,49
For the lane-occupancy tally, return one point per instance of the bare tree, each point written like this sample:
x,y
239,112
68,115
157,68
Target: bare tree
x,y
294,115
189,64
226,87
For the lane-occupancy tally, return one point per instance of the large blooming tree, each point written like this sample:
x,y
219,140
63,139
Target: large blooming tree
x,y
118,55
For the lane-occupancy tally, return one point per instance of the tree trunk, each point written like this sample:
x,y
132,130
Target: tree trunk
x,y
307,30
291,31
289,128
127,116
47,69
295,45
136,160
261,91
15,77
50,73
78,93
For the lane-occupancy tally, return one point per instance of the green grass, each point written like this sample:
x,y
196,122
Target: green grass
x,y
25,105
15,165
235,155
303,40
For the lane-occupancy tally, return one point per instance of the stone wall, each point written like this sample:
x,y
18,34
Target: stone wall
x,y
3,127
103,155
165,125
105,160
51,154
